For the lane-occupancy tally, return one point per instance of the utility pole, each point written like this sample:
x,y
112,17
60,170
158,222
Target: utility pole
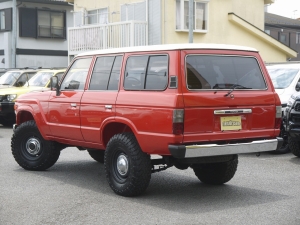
x,y
191,20
14,34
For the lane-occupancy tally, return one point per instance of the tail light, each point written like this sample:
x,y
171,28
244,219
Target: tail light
x,y
178,119
278,117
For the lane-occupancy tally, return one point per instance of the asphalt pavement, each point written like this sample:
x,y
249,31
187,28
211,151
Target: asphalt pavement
x,y
265,190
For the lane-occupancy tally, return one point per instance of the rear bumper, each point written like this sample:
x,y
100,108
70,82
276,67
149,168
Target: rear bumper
x,y
193,151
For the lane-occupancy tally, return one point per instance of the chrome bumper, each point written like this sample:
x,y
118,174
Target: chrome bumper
x,y
15,127
193,151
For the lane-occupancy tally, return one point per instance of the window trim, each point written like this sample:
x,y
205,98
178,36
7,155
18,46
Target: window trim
x,y
206,2
297,38
148,55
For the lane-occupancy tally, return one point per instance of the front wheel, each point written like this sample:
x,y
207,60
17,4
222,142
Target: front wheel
x,y
127,168
294,146
30,150
216,173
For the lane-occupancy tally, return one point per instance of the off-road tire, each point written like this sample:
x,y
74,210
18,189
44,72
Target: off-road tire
x,y
30,150
135,179
216,173
294,146
97,155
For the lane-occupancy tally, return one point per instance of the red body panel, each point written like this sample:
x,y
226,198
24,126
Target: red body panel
x,y
79,118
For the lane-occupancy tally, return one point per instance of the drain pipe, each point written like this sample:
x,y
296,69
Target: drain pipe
x,y
14,35
191,21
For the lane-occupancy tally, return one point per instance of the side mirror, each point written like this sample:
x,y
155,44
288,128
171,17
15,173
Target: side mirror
x,y
298,86
54,85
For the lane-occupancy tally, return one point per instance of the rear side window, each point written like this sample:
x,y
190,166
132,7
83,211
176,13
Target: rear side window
x,y
106,73
223,72
76,77
146,73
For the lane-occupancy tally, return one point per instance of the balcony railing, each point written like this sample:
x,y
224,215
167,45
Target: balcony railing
x,y
114,35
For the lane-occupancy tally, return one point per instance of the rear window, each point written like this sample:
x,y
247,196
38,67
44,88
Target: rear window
x,y
223,72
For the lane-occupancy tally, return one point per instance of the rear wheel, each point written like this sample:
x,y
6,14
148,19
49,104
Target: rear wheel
x,y
127,168
97,155
30,150
216,173
294,146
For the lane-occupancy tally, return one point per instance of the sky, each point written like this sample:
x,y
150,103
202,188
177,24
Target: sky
x,y
286,8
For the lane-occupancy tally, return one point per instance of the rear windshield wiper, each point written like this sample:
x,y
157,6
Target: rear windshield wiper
x,y
235,86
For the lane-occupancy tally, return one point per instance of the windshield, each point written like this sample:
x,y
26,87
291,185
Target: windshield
x,y
223,72
40,79
9,78
282,77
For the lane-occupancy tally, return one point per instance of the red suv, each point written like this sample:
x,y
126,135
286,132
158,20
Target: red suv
x,y
194,105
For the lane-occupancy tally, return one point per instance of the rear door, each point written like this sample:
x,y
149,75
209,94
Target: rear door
x,y
98,103
226,96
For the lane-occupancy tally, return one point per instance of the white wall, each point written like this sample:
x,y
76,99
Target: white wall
x,y
41,61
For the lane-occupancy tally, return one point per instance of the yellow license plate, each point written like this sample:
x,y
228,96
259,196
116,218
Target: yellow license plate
x,y
231,123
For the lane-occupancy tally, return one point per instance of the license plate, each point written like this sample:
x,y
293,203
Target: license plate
x,y
231,123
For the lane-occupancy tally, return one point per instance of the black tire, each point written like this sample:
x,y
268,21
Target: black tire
x,y
294,146
216,173
97,155
133,176
30,150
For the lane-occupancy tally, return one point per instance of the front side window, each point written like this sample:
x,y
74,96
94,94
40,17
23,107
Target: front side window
x,y
97,16
76,77
223,72
282,77
25,77
200,11
146,73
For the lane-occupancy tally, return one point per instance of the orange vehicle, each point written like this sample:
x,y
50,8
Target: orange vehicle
x,y
194,105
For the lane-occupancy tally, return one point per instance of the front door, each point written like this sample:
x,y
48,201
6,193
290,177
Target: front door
x,y
64,115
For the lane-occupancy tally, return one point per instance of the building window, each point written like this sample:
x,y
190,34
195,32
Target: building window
x,y
282,38
97,16
133,11
39,23
6,19
200,15
50,24
297,38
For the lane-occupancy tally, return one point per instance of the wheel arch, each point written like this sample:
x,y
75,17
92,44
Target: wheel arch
x,y
119,125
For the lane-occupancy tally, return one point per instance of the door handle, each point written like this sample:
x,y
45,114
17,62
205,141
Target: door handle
x,y
73,104
108,106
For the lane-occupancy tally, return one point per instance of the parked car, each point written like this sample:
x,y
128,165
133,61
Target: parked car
x,y
3,71
16,77
195,105
286,80
292,123
39,82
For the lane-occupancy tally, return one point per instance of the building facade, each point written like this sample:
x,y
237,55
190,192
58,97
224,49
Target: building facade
x,y
123,23
36,35
285,30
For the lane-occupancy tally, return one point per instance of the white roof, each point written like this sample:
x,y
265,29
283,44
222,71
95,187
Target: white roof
x,y
285,65
169,47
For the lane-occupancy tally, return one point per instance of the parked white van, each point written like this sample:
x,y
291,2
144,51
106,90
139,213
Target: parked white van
x,y
286,81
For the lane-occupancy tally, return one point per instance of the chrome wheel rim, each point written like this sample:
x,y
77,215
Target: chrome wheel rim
x,y
122,165
33,146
